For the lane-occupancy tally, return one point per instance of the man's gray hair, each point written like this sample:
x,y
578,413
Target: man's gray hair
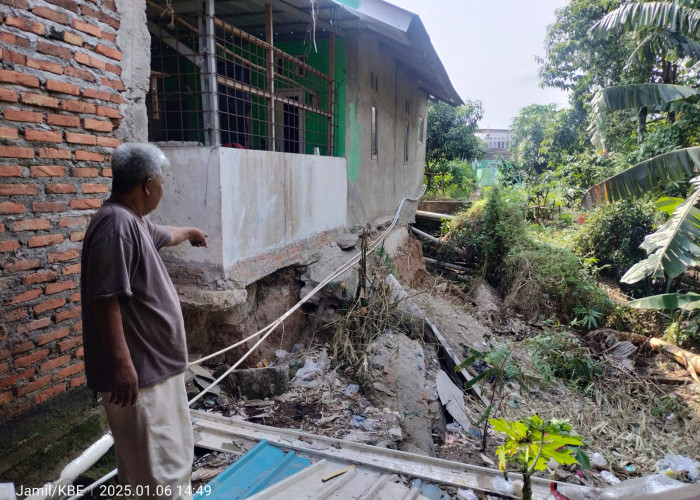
x,y
133,163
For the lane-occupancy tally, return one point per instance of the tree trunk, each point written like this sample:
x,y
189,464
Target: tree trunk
x,y
641,124
527,487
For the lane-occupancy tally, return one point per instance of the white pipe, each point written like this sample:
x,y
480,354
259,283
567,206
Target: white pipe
x,y
433,215
426,236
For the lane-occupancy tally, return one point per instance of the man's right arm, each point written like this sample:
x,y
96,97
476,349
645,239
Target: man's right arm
x,y
108,319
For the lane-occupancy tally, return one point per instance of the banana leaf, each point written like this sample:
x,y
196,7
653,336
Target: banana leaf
x,y
670,15
673,45
678,166
673,247
668,204
668,302
655,96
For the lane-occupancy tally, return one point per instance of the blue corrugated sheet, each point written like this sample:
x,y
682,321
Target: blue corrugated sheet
x,y
263,466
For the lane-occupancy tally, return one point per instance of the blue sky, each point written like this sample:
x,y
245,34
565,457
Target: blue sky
x,y
489,49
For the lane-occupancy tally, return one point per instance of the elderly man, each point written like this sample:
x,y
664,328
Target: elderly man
x,y
133,331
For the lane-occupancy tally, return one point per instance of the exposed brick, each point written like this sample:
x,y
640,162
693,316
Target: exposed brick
x,y
18,78
109,112
62,154
2,227
94,188
88,11
63,120
31,225
82,155
75,297
40,277
68,314
22,265
77,236
85,172
8,207
20,4
23,347
78,106
19,115
34,325
50,14
78,381
110,142
48,305
18,189
72,38
13,379
13,57
61,286
106,172
72,269
55,362
110,37
39,100
107,19
80,73
45,66
47,337
8,95
25,296
46,240
62,87
10,171
6,397
70,370
54,257
47,170
49,393
33,386
9,245
18,406
11,39
16,152
20,313
98,125
70,5
109,52
86,27
88,60
30,358
86,204
113,68
72,221
31,134
53,50
60,188
77,326
97,94
69,344
110,5
25,25
49,206
9,133
75,138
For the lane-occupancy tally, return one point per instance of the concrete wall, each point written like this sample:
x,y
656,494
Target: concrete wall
x,y
376,186
62,94
252,204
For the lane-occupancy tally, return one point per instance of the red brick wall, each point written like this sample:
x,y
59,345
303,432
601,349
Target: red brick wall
x,y
60,91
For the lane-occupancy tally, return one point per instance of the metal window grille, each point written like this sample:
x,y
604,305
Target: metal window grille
x,y
213,83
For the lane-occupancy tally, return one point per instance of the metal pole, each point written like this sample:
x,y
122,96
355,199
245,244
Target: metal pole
x,y
269,38
210,100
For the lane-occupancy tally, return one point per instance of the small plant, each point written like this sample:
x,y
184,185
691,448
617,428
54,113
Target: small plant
x,y
501,369
531,443
561,355
385,260
588,317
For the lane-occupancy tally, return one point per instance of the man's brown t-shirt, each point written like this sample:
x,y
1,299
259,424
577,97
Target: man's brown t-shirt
x,y
120,258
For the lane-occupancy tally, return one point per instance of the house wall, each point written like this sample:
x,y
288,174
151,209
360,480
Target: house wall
x,y
69,87
376,186
259,208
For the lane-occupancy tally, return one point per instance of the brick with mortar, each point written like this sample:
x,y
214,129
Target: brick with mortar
x,y
49,206
31,225
52,153
45,240
48,170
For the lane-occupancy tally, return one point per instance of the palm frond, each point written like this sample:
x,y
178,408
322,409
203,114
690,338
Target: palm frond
x,y
678,166
672,248
666,15
655,96
673,46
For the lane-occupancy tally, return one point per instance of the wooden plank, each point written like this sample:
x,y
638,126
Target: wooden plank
x,y
217,432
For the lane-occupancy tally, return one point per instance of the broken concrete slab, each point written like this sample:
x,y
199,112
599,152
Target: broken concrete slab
x,y
259,383
453,398
347,241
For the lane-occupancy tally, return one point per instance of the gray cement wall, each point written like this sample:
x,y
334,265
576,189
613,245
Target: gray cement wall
x,y
376,186
251,203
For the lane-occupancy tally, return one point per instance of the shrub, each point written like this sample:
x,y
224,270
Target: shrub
x,y
561,355
613,233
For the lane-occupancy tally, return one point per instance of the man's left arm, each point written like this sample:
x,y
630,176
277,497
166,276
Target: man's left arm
x,y
196,237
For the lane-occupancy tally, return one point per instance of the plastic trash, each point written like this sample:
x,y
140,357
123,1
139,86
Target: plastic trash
x,y
647,487
503,485
351,389
609,477
307,374
453,427
677,466
362,422
466,495
598,460
281,354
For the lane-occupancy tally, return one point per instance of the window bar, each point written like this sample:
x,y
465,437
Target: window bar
x,y
269,38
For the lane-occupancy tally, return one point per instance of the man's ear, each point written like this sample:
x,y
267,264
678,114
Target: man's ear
x,y
148,186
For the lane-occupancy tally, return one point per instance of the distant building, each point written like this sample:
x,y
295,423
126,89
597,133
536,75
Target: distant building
x,y
497,141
